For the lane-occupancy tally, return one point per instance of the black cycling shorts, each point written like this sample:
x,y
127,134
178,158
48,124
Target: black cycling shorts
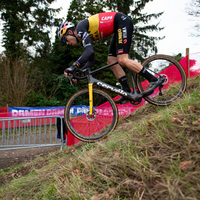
x,y
122,38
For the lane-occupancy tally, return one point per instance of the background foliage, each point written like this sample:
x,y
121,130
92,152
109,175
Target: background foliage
x,y
26,39
193,10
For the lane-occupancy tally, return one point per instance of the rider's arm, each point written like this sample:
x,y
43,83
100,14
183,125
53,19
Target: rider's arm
x,y
88,54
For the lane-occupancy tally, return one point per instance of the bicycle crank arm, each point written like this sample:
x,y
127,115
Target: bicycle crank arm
x,y
133,97
160,90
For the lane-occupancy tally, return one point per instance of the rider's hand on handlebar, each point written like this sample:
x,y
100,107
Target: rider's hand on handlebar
x,y
69,71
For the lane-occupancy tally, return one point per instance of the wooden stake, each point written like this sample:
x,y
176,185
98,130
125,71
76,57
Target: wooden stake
x,y
188,62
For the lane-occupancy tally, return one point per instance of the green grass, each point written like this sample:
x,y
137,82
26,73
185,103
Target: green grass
x,y
153,154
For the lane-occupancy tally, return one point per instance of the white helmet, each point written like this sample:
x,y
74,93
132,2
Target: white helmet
x,y
63,29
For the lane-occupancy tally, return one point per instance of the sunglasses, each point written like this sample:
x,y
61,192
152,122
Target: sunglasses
x,y
64,40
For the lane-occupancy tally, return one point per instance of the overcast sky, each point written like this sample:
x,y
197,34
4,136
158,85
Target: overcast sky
x,y
178,25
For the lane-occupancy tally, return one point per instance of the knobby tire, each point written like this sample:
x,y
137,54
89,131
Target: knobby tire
x,y
91,128
173,88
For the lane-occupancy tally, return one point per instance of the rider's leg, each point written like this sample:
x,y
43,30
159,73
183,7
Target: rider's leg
x,y
119,73
123,39
123,59
117,69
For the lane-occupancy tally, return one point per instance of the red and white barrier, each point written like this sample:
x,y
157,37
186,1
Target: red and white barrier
x,y
124,110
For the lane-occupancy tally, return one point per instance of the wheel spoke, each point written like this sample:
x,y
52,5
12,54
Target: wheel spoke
x,y
93,127
175,79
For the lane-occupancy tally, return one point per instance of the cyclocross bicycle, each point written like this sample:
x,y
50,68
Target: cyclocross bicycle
x,y
91,114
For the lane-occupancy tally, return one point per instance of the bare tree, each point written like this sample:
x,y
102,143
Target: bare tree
x,y
16,81
193,9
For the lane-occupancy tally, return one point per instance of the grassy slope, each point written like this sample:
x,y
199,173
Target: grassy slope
x,y
153,154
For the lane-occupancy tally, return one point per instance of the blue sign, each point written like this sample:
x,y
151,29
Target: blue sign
x,y
46,111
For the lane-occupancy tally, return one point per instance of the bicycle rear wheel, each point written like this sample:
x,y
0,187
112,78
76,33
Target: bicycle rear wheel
x,y
175,79
86,127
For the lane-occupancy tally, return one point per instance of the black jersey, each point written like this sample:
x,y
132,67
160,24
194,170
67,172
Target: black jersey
x,y
100,26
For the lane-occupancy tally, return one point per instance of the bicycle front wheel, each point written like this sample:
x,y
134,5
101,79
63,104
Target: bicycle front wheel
x,y
87,127
174,75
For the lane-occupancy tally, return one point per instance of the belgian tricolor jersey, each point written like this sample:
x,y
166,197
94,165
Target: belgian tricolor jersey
x,y
94,28
101,25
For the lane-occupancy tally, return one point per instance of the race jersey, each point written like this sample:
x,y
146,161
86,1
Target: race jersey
x,y
101,25
94,28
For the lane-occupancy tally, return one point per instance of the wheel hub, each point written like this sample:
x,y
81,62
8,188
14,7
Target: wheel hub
x,y
92,116
166,79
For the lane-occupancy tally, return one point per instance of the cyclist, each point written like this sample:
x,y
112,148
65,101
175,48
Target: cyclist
x,y
99,26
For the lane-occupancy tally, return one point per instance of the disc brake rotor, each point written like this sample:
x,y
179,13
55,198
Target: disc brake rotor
x,y
92,116
166,79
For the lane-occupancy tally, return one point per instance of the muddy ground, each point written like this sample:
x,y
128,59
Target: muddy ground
x,y
9,158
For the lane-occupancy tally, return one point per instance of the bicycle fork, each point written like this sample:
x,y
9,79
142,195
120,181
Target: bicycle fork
x,y
90,87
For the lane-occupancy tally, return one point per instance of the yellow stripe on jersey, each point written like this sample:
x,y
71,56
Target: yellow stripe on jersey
x,y
94,27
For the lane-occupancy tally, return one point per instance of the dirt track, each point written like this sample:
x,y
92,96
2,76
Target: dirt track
x,y
13,157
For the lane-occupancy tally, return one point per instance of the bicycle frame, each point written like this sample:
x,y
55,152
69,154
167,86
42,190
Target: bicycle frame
x,y
134,96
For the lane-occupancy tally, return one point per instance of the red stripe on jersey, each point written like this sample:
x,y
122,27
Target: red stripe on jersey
x,y
106,24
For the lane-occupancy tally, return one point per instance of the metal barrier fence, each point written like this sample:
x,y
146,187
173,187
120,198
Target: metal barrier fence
x,y
18,133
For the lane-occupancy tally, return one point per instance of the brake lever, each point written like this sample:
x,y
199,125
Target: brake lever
x,y
77,75
70,80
